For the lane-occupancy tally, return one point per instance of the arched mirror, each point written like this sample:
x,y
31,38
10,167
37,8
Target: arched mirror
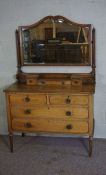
x,y
54,40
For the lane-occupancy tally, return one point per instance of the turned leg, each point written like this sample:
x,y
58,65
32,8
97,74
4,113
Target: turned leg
x,y
11,142
90,146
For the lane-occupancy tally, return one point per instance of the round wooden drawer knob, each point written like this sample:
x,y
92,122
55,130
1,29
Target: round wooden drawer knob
x,y
27,111
68,101
27,99
69,126
68,113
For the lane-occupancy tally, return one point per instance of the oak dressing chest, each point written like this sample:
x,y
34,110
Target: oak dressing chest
x,y
53,102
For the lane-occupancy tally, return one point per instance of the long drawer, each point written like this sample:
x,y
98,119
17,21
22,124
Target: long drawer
x,y
42,125
50,112
68,99
28,99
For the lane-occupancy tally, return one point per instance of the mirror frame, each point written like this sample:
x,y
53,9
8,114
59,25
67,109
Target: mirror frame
x,y
19,43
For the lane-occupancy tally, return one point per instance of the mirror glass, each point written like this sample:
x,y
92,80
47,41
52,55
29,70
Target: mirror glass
x,y
56,41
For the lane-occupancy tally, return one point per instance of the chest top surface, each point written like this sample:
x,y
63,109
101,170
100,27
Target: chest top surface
x,y
17,87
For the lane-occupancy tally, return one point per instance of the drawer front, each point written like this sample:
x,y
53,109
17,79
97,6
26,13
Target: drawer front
x,y
27,99
50,126
69,99
50,112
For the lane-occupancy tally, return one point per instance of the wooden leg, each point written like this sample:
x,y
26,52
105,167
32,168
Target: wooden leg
x,y
90,146
91,140
23,134
11,142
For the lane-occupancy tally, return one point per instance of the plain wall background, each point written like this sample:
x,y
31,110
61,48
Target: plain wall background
x,y
14,13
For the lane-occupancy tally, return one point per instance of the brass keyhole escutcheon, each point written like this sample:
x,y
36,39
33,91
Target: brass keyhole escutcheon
x,y
27,125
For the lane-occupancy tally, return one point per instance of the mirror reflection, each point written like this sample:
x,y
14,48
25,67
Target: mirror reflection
x,y
56,41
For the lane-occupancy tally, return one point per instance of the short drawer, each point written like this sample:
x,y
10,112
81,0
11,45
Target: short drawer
x,y
50,112
68,99
50,126
27,99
